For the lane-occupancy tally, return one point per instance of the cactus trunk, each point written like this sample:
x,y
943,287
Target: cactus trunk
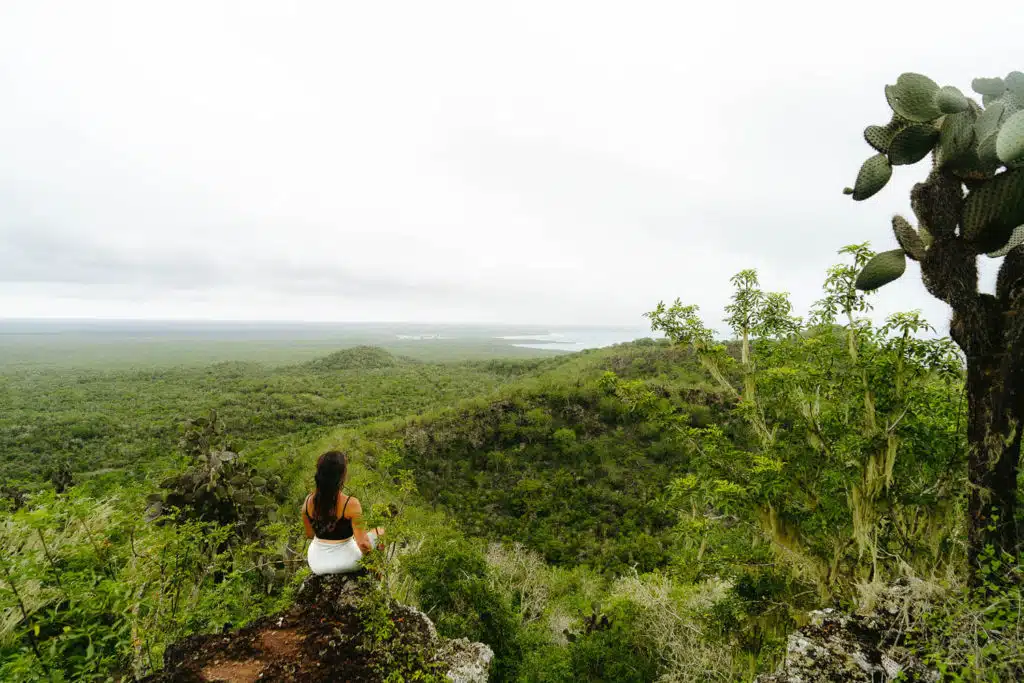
x,y
993,455
983,326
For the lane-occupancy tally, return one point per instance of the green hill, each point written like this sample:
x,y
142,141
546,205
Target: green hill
x,y
565,462
355,358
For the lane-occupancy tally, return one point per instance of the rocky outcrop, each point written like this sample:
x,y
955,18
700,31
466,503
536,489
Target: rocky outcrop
x,y
467,662
321,638
852,648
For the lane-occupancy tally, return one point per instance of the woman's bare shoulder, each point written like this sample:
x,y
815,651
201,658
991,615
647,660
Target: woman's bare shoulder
x,y
353,505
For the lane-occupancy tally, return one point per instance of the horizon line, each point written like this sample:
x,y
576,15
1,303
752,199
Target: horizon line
x,y
279,321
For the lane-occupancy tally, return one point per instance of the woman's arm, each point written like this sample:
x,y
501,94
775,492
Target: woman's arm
x,y
305,518
354,511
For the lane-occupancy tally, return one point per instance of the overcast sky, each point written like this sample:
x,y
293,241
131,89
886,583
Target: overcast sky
x,y
548,162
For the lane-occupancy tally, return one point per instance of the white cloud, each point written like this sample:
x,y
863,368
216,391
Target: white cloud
x,y
534,162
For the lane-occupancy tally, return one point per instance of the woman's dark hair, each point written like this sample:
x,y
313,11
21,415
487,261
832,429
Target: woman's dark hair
x,y
330,474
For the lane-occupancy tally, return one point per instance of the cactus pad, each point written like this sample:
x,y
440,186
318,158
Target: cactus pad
x,y
882,269
988,86
912,144
985,130
993,211
878,137
913,97
926,237
874,174
1010,140
908,238
987,151
989,120
1015,84
956,136
950,100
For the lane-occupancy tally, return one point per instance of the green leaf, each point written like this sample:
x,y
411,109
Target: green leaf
x,y
874,174
912,144
881,270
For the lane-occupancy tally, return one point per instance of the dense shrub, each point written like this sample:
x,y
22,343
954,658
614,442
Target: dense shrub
x,y
455,590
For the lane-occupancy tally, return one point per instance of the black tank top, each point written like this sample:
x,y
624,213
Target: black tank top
x,y
338,529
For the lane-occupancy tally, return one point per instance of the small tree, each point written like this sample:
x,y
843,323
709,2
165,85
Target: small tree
x,y
842,455
971,203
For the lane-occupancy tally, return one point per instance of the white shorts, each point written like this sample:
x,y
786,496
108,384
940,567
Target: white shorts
x,y
336,558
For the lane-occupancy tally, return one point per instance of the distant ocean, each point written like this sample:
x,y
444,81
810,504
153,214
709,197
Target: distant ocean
x,y
577,339
552,338
145,343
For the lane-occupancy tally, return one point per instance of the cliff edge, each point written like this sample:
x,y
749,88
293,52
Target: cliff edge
x,y
324,637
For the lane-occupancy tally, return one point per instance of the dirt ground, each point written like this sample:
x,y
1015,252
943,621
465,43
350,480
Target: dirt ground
x,y
318,639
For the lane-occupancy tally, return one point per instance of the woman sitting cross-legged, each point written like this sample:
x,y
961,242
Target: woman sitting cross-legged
x,y
334,520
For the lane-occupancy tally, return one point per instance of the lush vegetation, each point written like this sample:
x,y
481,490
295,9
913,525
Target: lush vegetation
x,y
128,422
654,509
662,510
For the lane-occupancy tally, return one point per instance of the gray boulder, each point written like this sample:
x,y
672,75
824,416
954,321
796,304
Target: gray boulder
x,y
855,648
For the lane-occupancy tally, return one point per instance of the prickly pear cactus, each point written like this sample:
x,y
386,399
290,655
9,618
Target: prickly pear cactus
x,y
218,487
222,489
971,203
978,145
